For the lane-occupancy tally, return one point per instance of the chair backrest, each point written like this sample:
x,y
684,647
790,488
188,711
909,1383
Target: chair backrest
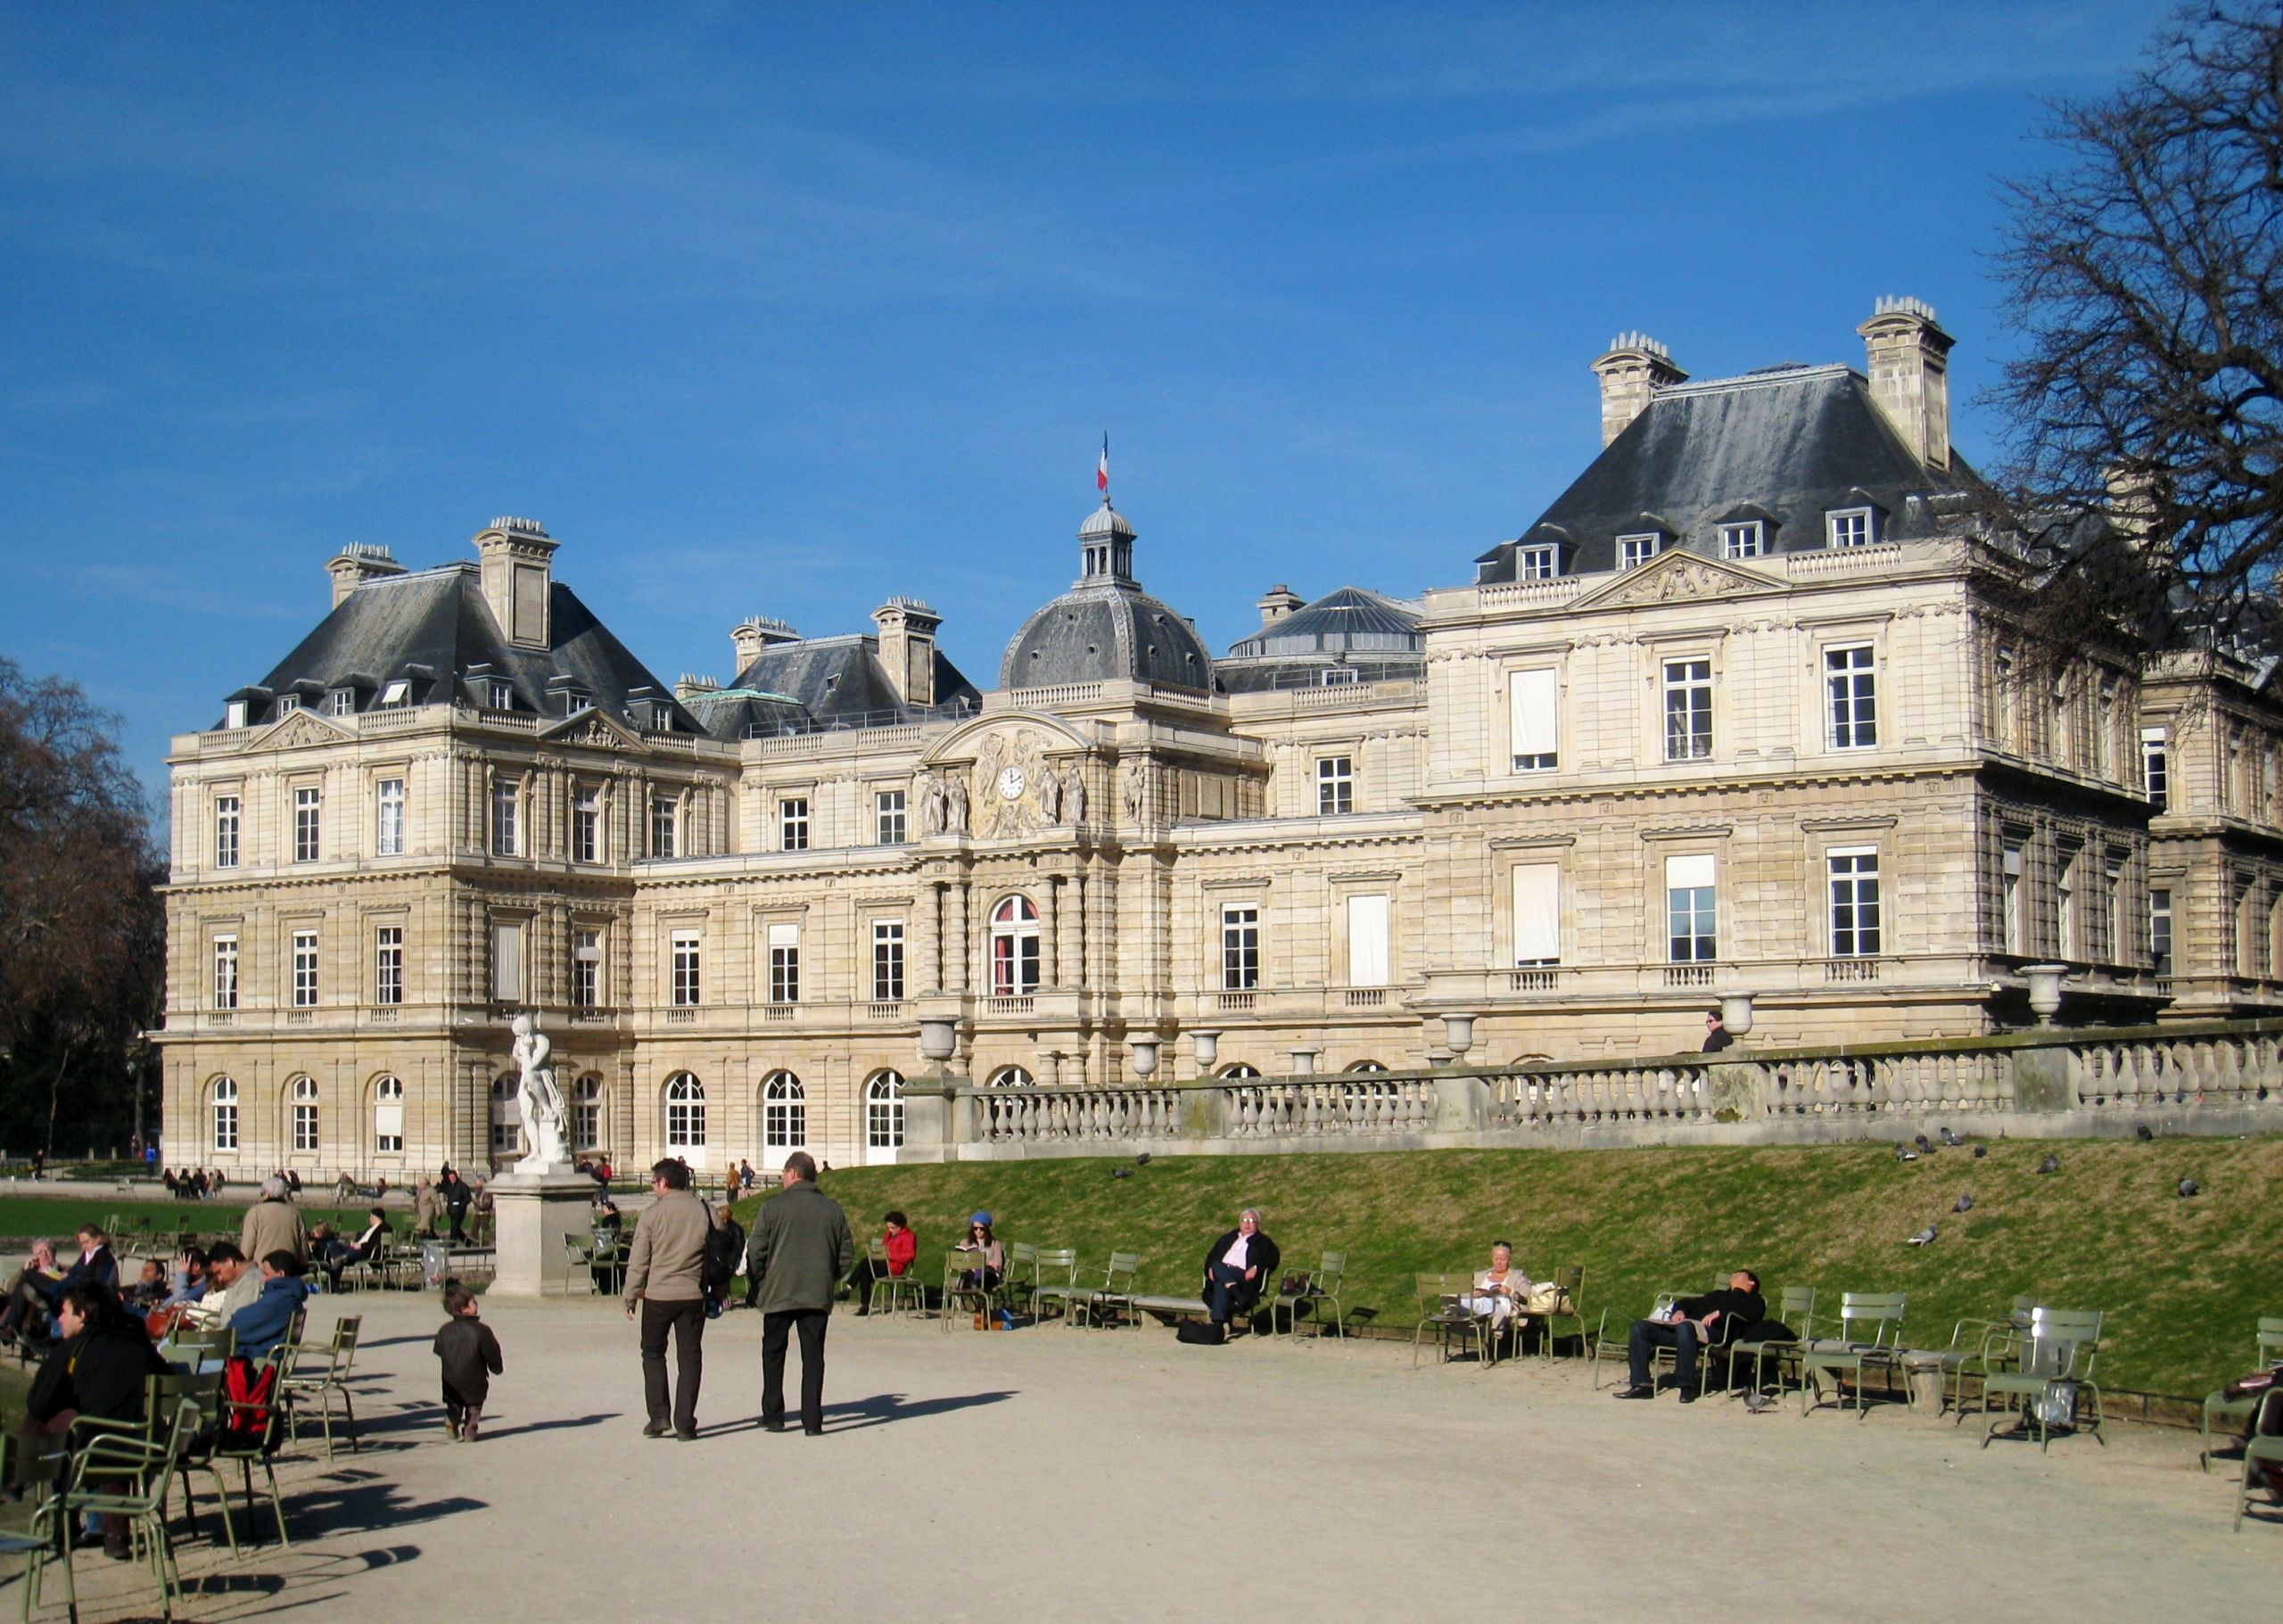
x,y
1431,1289
1879,1311
876,1249
1328,1269
209,1342
1058,1265
162,1395
1127,1263
2063,1342
1570,1279
1022,1263
1796,1307
345,1332
2269,1340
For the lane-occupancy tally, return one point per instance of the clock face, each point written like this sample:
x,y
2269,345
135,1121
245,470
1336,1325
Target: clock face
x,y
1010,783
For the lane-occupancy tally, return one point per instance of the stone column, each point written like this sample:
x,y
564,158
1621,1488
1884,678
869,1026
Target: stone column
x,y
930,978
1051,938
961,949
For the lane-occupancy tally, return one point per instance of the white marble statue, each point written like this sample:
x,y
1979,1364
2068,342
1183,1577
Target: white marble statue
x,y
1050,796
1074,793
538,1103
956,813
931,802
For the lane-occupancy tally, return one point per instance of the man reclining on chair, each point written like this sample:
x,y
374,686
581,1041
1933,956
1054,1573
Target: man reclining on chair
x,y
1690,1322
1238,1267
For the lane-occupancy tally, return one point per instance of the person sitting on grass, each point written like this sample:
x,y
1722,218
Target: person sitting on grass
x,y
1237,1267
902,1249
1690,1322
261,1324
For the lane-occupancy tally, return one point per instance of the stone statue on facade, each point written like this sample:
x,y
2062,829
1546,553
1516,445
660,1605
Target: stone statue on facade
x,y
538,1103
1050,796
1137,791
931,799
958,823
1074,792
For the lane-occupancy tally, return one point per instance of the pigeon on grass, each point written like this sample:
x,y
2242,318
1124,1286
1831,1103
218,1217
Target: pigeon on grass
x,y
2140,1132
2051,1164
1925,1237
1948,1138
1965,1203
2188,1187
1904,1153
1979,1151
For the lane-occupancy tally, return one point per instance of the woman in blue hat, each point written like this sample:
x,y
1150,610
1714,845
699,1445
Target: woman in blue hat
x,y
990,1256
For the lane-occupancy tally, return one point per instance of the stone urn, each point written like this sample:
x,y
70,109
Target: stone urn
x,y
2045,990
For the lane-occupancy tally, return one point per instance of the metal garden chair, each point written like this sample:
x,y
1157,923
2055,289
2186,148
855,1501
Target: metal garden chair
x,y
1882,1312
2056,1372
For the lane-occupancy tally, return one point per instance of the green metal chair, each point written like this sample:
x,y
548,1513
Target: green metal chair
x,y
1979,1346
321,1375
1323,1288
1795,1308
895,1287
2257,1452
2056,1372
25,1466
1882,1312
1443,1310
1114,1294
957,1289
1568,1285
1054,1280
2268,1347
1603,1346
261,1437
119,1474
1021,1276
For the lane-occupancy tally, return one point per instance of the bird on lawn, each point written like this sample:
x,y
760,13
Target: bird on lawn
x,y
1979,1151
1925,1237
1904,1153
2051,1164
2141,1133
2188,1187
1920,1140
1142,1160
1121,1173
1948,1138
1965,1203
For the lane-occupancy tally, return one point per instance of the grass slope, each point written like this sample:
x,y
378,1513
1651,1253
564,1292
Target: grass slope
x,y
2183,1280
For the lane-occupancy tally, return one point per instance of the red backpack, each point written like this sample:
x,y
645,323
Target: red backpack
x,y
249,1410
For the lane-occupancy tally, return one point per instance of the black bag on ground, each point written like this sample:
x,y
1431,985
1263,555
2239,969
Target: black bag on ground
x,y
1202,1333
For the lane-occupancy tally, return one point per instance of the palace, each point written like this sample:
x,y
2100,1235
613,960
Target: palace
x,y
1750,708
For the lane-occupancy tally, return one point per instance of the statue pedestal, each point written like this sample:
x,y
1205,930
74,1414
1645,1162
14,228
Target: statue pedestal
x,y
533,1212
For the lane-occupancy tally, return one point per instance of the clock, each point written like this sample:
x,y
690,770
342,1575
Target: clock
x,y
1010,784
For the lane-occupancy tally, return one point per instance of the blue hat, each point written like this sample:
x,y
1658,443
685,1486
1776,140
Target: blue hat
x,y
978,1217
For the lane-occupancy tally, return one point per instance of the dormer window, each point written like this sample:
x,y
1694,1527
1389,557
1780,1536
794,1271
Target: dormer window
x,y
234,713
1747,538
499,696
341,702
1849,527
287,703
398,692
1536,564
575,700
1633,551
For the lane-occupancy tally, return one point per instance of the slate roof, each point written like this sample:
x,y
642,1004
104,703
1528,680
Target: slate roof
x,y
1375,636
432,626
1106,629
813,683
1787,445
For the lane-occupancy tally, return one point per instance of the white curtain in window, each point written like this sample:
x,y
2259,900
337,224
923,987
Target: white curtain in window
x,y
1530,699
784,936
1688,873
1367,941
507,963
1538,912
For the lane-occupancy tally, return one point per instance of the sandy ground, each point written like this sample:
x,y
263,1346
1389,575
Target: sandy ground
x,y
1117,1475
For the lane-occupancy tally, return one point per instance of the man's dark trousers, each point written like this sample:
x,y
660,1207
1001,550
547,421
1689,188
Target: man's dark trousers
x,y
687,1320
1225,1289
1681,1337
775,1329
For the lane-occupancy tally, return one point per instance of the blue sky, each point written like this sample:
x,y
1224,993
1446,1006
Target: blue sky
x,y
781,310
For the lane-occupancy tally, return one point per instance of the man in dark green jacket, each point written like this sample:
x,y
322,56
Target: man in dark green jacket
x,y
800,1252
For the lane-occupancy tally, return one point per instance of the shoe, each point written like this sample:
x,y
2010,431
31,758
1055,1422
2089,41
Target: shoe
x,y
1634,1392
1688,1395
118,1550
687,1435
467,1430
451,1429
773,1426
655,1429
812,1431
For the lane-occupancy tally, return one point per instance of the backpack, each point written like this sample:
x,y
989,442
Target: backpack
x,y
250,1411
723,1248
1200,1333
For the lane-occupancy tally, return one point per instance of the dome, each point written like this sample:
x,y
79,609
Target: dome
x,y
1106,629
1104,523
1349,621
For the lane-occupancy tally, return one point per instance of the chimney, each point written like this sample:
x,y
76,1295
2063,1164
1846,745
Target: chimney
x,y
357,563
908,648
1910,368
516,558
692,686
1280,602
1634,369
754,635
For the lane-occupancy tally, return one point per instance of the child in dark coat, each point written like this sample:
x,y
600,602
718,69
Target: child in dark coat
x,y
470,1355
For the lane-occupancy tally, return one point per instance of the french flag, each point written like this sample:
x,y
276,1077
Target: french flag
x,y
1101,471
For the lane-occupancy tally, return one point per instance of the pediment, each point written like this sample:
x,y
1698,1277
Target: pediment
x,y
591,727
1677,577
302,730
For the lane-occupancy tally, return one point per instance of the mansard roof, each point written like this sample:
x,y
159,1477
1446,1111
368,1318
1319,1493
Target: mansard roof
x,y
810,683
1373,637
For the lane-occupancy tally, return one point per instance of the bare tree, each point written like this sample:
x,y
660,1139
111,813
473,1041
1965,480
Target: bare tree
x,y
2146,276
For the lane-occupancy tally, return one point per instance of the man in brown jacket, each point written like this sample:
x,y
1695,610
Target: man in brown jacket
x,y
273,1224
665,1274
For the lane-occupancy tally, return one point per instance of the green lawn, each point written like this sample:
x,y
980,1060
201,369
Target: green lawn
x,y
2184,1280
25,1217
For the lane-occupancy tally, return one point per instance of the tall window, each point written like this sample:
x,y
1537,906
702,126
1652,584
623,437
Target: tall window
x,y
226,972
507,802
226,831
388,964
308,803
1533,720
587,1113
687,980
1852,687
507,1125
2065,905
586,969
1367,941
2012,918
685,1112
2117,945
1014,948
388,838
1848,527
2156,766
664,825
2160,929
1854,903
887,960
784,1112
1748,540
1689,888
1688,709
508,961
1240,946
305,969
793,824
1335,785
884,1111
887,807
499,696
388,1115
586,825
1536,564
225,1114
1537,914
2006,700
1633,551
305,1114
784,964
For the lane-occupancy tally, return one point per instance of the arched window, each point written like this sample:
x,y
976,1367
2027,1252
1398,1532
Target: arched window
x,y
884,1111
506,1127
1367,1065
1011,1076
1240,1070
1014,948
305,1114
225,1114
784,1112
388,1115
685,1112
587,1113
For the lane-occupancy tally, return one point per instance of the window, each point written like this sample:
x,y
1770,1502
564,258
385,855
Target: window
x,y
1239,1071
1854,903
389,836
341,702
2114,948
687,981
226,972
1852,690
2009,897
287,703
506,1128
397,692
507,802
793,824
1367,941
1335,785
499,696
1014,948
685,1112
225,1114
784,964
1748,540
305,1114
309,805
388,1115
888,960
1536,564
1240,946
665,824
507,961
1533,720
1011,1076
884,1111
587,1113
1339,676
1537,914
305,969
226,831
586,969
1689,886
1688,710
887,807
234,713
586,825
2160,929
784,1112
1633,551
2064,904
2155,767
1848,527
388,964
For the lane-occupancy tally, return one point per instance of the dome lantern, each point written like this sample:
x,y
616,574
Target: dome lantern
x,y
1105,545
